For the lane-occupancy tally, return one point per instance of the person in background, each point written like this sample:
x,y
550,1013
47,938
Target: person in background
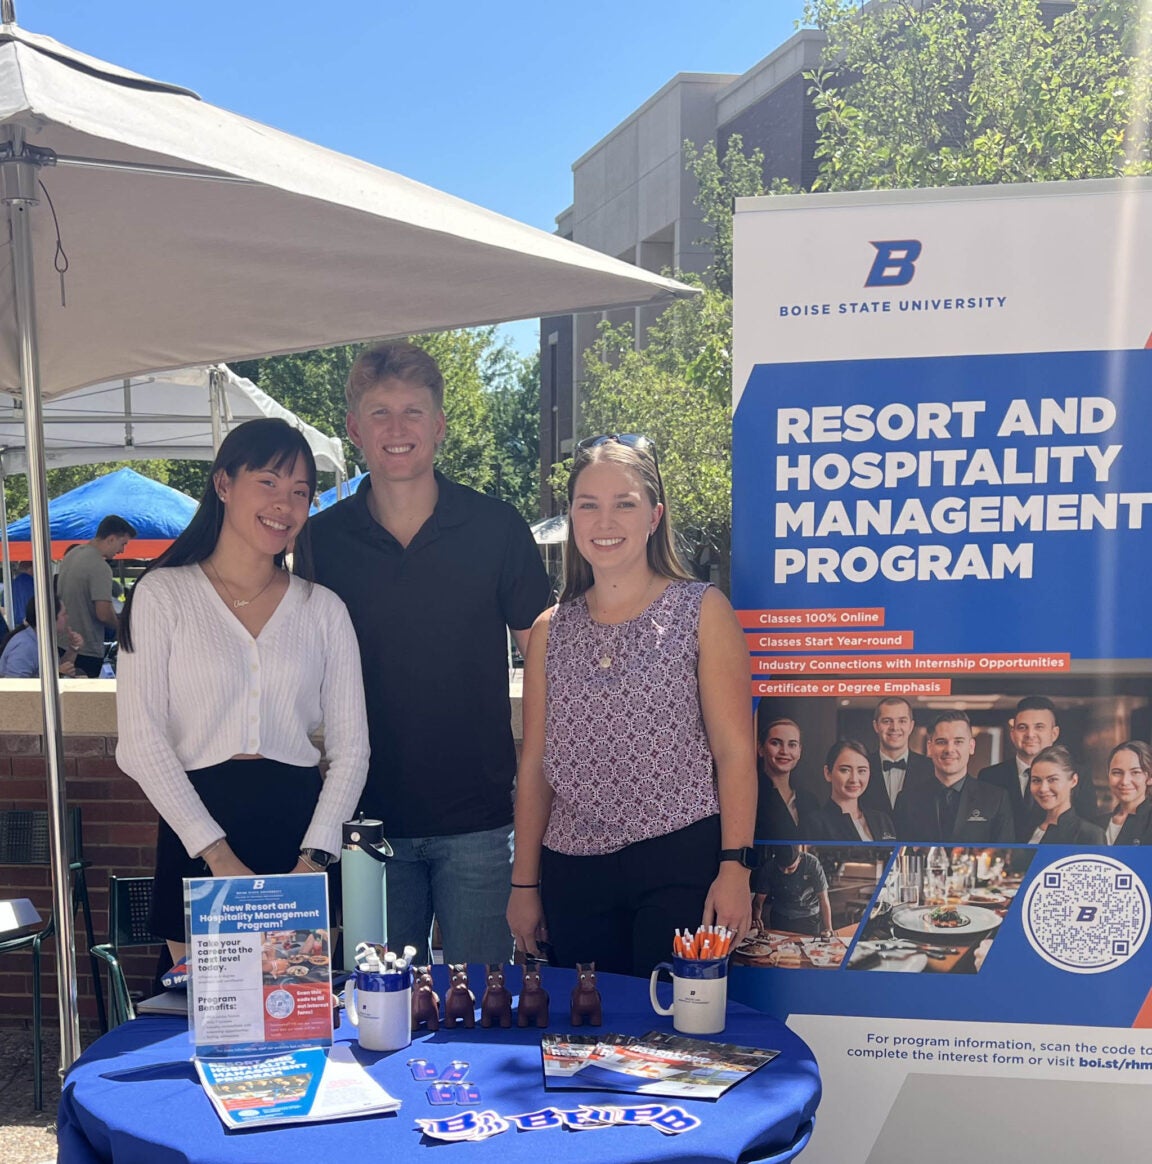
x,y
22,589
228,664
1129,775
894,765
796,893
20,652
779,805
636,792
843,817
434,576
85,587
1053,780
1031,729
955,806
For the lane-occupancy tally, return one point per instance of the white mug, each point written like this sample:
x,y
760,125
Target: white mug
x,y
699,994
379,1006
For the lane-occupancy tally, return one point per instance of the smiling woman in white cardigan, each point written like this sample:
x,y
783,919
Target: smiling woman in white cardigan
x,y
227,664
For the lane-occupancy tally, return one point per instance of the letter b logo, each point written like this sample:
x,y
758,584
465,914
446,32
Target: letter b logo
x,y
895,263
1087,913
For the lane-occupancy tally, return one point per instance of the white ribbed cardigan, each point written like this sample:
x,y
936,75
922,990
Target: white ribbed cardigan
x,y
199,689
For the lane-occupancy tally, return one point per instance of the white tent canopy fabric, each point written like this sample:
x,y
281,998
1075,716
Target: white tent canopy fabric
x,y
551,531
193,236
168,414
385,256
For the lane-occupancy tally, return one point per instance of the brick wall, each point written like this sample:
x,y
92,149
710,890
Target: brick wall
x,y
119,838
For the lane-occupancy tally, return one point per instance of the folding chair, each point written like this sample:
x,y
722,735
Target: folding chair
x,y
24,841
129,904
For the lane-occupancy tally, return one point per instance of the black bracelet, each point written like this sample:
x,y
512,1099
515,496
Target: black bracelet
x,y
534,885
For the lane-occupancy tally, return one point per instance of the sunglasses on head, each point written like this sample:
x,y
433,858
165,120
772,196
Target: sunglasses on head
x,y
633,440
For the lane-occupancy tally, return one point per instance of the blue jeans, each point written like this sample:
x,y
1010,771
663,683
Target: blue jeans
x,y
463,882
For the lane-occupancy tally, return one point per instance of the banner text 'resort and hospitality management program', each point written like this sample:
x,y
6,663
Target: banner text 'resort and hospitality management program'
x,y
963,468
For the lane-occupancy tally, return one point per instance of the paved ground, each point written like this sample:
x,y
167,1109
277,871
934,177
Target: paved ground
x,y
27,1136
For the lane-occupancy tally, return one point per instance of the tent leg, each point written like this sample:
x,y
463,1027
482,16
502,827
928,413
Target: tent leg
x,y
9,612
20,177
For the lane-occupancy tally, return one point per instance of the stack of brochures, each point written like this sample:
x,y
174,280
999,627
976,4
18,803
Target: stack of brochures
x,y
319,1083
653,1064
260,1004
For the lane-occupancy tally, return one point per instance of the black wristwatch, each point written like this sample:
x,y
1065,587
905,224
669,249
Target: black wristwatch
x,y
747,856
317,857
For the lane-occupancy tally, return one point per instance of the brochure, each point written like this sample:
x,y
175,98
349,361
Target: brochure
x,y
564,1055
260,964
313,1084
653,1064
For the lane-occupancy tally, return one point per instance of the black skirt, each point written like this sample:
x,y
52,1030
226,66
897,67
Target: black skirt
x,y
264,808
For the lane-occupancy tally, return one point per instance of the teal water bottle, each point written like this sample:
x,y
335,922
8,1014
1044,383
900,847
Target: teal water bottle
x,y
363,886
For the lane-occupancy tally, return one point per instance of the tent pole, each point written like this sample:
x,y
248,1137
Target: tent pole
x,y
214,409
20,177
4,549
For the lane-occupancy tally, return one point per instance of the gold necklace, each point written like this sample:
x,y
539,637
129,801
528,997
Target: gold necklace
x,y
237,603
608,657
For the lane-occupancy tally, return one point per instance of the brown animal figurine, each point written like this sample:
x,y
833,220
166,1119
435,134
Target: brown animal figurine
x,y
533,1006
496,1005
459,1002
585,997
425,1000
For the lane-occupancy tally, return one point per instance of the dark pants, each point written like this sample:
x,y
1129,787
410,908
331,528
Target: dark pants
x,y
795,925
622,909
264,808
90,665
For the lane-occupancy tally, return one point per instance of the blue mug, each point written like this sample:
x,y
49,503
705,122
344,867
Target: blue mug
x,y
699,994
379,1006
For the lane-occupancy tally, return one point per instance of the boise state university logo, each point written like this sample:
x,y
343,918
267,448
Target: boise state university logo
x,y
1086,914
895,263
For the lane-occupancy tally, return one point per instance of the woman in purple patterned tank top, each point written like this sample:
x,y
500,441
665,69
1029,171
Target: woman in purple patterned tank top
x,y
636,792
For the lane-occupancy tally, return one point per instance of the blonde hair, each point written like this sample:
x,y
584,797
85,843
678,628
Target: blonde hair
x,y
393,361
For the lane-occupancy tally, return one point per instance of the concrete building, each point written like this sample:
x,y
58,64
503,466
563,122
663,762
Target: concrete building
x,y
634,198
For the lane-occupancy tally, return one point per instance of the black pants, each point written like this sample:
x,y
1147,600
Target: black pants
x,y
795,925
621,910
264,808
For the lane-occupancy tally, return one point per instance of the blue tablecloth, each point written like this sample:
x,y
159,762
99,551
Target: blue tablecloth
x,y
133,1096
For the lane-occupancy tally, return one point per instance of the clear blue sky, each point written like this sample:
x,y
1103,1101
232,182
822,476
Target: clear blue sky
x,y
492,102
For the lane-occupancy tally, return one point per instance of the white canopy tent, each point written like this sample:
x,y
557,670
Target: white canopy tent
x,y
193,235
181,415
551,531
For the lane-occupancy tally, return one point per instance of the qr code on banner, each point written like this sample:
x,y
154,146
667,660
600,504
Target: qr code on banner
x,y
1086,914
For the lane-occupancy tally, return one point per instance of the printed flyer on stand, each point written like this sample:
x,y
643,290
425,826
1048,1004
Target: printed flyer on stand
x,y
260,963
942,499
260,997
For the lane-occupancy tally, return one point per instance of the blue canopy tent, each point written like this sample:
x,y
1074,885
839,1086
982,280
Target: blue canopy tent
x,y
337,493
158,512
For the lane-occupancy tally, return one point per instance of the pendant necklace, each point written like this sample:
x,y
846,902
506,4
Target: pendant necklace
x,y
237,603
609,653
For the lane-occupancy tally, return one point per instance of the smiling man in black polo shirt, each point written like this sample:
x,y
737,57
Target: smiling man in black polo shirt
x,y
432,573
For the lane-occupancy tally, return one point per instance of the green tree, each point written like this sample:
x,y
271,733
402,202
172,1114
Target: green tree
x,y
63,480
514,412
312,383
720,180
971,92
468,454
677,391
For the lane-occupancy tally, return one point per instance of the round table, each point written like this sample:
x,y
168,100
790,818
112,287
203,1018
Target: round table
x,y
133,1097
